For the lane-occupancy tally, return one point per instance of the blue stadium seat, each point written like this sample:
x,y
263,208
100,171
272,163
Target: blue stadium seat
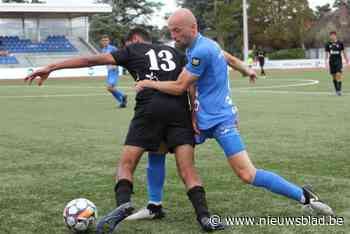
x,y
53,43
8,60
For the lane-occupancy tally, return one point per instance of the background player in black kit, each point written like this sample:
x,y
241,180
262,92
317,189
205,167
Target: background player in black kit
x,y
158,118
260,57
334,51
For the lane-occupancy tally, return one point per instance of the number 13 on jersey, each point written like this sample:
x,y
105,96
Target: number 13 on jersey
x,y
166,57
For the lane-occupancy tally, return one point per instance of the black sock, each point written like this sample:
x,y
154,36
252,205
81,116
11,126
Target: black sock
x,y
307,197
199,201
123,191
339,85
154,208
335,82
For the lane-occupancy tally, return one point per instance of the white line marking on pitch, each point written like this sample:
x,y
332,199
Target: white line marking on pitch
x,y
289,92
62,87
309,82
239,90
63,95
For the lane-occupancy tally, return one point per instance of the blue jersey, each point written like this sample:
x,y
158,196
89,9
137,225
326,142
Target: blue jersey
x,y
107,50
213,98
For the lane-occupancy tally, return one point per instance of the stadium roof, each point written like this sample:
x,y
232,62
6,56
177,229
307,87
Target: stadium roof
x,y
9,10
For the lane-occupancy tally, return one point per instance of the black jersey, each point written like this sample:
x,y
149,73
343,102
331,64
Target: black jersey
x,y
335,49
154,62
260,54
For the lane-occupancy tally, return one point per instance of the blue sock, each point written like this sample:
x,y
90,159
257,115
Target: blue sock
x,y
277,184
155,177
118,95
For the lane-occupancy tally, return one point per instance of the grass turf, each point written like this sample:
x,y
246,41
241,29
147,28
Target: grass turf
x,y
62,141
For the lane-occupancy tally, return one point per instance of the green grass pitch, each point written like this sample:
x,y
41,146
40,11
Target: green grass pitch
x,y
62,141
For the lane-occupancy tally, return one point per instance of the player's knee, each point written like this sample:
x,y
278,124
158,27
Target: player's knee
x,y
246,176
110,89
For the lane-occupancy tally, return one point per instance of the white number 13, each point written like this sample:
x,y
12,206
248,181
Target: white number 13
x,y
165,56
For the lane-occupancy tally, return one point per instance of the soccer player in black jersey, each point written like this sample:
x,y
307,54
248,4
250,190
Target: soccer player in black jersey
x,y
334,51
158,118
260,57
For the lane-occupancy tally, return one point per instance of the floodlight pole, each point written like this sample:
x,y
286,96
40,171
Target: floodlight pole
x,y
245,32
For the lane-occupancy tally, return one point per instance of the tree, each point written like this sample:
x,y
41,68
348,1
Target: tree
x,y
23,1
218,19
339,3
274,24
279,24
125,15
14,1
322,10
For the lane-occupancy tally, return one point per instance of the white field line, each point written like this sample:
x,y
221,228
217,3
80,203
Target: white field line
x,y
289,92
62,95
62,87
308,83
240,90
132,87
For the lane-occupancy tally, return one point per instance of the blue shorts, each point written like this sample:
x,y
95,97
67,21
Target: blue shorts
x,y
226,134
112,77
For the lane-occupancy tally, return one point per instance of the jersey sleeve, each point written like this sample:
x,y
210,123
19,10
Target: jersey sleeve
x,y
326,47
198,61
341,46
113,49
121,57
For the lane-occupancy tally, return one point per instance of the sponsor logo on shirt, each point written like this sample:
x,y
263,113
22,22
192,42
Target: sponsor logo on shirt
x,y
196,61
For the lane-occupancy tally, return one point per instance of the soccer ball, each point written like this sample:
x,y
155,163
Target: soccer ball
x,y
79,214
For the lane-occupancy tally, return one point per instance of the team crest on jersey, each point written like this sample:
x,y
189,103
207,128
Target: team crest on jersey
x,y
196,61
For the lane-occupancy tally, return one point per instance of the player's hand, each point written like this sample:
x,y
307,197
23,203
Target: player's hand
x,y
252,76
140,85
41,74
194,123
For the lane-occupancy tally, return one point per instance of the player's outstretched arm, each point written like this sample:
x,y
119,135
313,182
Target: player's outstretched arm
x,y
238,65
170,87
43,73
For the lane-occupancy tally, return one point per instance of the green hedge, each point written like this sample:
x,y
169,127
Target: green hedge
x,y
287,54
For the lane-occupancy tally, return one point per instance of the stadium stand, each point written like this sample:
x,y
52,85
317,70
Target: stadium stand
x,y
34,35
56,43
8,60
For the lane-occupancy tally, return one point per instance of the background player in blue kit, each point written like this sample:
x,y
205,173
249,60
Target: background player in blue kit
x,y
216,113
113,74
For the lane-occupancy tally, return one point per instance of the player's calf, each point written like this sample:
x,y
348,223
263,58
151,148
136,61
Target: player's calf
x,y
196,194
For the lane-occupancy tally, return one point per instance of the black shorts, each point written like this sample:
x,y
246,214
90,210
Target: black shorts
x,y
335,68
261,61
154,124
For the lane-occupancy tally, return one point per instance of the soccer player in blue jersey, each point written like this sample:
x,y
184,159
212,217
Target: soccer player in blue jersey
x,y
151,124
215,112
113,75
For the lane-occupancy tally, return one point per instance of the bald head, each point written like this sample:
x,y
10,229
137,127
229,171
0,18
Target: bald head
x,y
183,16
182,25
